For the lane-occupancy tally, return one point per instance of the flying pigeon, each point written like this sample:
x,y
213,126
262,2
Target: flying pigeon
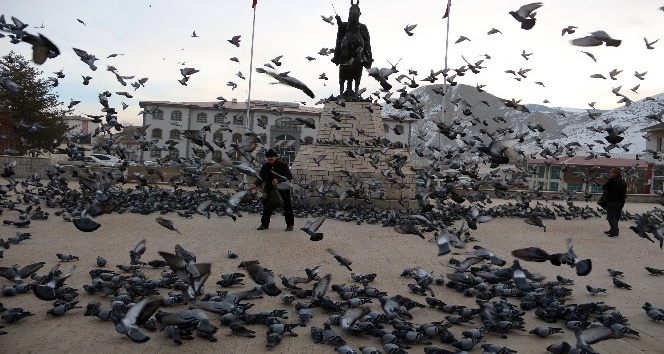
x,y
283,78
526,15
167,224
42,48
596,38
409,29
310,227
235,41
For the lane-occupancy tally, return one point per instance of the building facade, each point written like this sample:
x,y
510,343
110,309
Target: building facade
x,y
283,126
583,174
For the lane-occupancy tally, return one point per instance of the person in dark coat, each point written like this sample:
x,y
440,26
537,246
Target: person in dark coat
x,y
272,180
615,192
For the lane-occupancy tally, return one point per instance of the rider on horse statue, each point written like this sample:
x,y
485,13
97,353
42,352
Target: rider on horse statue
x,y
353,49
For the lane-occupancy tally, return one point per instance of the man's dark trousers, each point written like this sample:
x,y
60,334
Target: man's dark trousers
x,y
287,207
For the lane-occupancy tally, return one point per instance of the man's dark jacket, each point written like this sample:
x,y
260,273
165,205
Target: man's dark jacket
x,y
267,176
615,190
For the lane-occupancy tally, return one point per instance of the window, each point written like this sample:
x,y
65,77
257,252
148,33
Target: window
x,y
596,188
386,128
220,118
174,153
217,156
308,140
540,171
175,134
286,147
553,186
155,153
156,133
201,117
158,114
237,137
176,115
238,119
574,187
555,172
218,135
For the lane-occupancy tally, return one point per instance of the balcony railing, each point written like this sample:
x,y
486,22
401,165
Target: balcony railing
x,y
290,127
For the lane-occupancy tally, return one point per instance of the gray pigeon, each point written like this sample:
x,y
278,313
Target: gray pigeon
x,y
138,314
167,224
310,227
526,15
596,38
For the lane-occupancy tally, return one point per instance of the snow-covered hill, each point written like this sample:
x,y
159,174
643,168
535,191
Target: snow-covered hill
x,y
481,113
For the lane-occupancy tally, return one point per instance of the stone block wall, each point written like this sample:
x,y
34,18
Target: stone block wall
x,y
26,166
362,123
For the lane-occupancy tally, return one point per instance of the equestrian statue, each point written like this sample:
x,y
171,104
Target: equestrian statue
x,y
352,51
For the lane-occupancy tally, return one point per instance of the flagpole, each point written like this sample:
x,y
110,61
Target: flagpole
x,y
251,71
447,43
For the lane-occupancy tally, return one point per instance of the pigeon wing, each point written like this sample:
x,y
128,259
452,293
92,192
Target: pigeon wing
x,y
531,254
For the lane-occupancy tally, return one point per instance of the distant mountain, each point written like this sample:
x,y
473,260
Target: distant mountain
x,y
533,107
480,113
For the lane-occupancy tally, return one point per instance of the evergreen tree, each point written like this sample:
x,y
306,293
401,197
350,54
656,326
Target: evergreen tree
x,y
31,119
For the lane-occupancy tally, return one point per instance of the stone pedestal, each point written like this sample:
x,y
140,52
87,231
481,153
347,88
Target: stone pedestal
x,y
347,136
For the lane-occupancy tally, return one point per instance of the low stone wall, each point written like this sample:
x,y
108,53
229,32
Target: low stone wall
x,y
26,166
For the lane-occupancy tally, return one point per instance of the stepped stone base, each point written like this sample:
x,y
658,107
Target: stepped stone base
x,y
351,144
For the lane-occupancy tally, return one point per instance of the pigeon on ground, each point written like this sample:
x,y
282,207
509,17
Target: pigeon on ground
x,y
595,290
409,228
544,332
263,277
138,314
63,257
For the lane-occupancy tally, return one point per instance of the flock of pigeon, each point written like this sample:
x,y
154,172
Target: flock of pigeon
x,y
181,305
173,294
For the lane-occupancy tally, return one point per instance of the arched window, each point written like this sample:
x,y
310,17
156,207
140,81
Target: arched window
x,y
237,137
218,135
158,114
156,133
220,118
238,119
175,134
201,117
286,146
176,115
218,156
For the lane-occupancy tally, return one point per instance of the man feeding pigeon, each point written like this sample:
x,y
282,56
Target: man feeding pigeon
x,y
615,190
276,174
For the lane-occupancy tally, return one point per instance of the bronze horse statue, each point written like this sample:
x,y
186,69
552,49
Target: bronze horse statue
x,y
352,51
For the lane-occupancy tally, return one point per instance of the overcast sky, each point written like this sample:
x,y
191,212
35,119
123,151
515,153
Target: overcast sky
x,y
156,37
